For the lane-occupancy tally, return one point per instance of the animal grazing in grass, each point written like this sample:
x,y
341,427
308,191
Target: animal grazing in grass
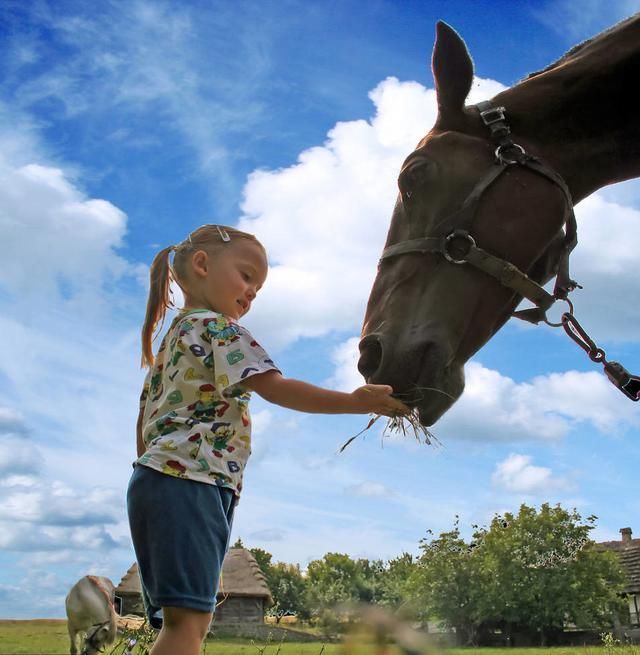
x,y
90,610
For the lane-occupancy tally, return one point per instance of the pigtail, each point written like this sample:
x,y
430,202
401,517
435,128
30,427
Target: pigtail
x,y
158,302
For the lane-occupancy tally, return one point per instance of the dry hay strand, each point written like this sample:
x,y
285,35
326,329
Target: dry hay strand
x,y
130,622
406,424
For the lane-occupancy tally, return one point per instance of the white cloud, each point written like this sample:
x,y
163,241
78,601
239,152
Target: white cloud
x,y
59,245
517,474
18,455
494,407
346,376
605,262
11,421
324,219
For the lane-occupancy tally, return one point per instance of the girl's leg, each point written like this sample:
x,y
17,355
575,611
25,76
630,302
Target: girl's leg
x,y
183,631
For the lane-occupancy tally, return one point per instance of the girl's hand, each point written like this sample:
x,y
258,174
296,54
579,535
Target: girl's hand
x,y
377,399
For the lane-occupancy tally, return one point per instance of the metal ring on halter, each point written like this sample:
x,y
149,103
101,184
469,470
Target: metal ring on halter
x,y
502,159
457,234
548,322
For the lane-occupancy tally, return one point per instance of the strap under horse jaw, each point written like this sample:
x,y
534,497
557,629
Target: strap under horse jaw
x,y
494,118
454,230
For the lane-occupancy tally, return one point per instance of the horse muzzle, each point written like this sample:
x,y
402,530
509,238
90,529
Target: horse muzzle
x,y
419,369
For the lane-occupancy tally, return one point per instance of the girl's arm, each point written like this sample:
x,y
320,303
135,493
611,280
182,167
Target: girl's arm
x,y
295,394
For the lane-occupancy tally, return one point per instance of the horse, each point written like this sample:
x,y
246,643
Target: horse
x,y
484,214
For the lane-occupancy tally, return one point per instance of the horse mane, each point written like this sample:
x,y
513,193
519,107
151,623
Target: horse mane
x,y
581,46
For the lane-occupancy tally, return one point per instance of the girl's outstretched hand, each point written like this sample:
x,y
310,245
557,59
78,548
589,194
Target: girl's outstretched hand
x,y
377,399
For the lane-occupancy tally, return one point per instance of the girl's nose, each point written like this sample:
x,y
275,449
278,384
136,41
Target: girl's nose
x,y
251,293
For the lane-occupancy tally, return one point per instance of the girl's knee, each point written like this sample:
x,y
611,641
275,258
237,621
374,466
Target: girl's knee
x,y
187,620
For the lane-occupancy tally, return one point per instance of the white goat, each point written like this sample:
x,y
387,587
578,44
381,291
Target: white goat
x,y
89,606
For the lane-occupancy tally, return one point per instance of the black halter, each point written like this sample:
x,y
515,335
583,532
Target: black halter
x,y
453,232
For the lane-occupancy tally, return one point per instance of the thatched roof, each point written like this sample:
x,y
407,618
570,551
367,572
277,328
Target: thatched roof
x,y
241,576
628,550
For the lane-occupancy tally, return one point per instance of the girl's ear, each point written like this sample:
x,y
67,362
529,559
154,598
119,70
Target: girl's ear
x,y
200,263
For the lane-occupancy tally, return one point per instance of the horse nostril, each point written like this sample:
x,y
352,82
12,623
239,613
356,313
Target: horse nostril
x,y
370,356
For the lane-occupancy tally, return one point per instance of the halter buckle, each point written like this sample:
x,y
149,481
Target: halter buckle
x,y
457,234
492,115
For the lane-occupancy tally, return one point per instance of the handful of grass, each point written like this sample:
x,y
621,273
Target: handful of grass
x,y
408,424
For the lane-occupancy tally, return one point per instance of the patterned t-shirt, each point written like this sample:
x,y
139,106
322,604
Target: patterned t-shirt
x,y
196,421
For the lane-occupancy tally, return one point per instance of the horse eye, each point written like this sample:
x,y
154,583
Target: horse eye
x,y
415,173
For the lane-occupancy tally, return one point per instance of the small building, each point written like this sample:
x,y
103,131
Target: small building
x,y
628,550
242,598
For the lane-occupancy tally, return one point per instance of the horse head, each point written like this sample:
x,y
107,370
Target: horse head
x,y
459,195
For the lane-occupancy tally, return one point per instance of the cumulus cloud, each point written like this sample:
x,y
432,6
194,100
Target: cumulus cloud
x,y
517,474
18,455
604,262
60,245
58,504
496,408
11,421
346,376
324,221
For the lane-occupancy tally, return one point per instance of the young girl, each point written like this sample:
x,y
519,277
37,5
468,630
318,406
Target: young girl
x,y
194,431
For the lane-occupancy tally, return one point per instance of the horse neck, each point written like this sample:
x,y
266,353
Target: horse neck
x,y
579,114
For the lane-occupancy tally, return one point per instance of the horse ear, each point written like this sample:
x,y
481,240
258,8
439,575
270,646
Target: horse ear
x,y
452,68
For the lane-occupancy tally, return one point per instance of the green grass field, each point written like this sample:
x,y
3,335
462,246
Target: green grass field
x,y
49,637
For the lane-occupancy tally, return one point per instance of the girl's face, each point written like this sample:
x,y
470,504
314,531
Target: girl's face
x,y
227,280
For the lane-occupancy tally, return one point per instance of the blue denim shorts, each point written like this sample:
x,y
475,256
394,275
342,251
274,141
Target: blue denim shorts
x,y
180,530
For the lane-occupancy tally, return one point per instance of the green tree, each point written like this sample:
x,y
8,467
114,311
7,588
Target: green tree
x,y
288,588
332,580
337,579
286,584
263,559
527,574
541,571
394,588
444,583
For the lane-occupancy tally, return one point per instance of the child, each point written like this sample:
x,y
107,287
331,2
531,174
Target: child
x,y
194,431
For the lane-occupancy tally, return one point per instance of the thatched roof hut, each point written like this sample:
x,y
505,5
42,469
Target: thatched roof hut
x,y
242,598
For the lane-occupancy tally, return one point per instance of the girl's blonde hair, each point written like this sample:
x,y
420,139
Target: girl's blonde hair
x,y
209,238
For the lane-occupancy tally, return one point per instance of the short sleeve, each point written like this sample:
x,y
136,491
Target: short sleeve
x,y
236,354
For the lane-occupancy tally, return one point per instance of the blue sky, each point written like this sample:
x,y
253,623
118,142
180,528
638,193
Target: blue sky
x,y
124,125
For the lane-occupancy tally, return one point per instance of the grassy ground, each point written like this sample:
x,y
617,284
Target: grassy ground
x,y
49,637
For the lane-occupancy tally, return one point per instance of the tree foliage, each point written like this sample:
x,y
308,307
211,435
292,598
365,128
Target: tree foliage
x,y
529,574
286,583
